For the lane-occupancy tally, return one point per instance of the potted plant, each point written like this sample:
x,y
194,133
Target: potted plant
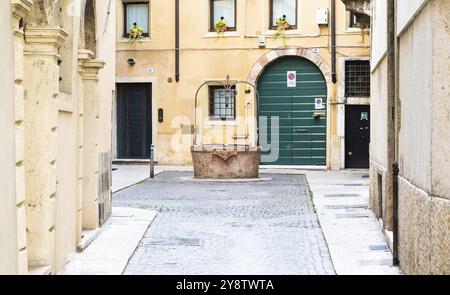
x,y
136,33
282,25
221,25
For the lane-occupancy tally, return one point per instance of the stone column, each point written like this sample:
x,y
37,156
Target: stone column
x,y
41,128
20,9
89,115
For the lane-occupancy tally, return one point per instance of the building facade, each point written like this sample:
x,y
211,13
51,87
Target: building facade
x,y
57,81
410,106
312,80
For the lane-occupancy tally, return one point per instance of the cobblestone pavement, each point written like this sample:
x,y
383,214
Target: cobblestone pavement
x,y
218,228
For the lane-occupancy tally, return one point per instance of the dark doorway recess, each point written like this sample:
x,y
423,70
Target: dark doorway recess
x,y
134,120
357,136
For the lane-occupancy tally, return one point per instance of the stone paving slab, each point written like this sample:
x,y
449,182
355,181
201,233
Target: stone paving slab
x,y
352,231
124,176
110,252
217,228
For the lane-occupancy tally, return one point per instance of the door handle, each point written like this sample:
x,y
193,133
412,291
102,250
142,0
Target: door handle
x,y
319,114
301,130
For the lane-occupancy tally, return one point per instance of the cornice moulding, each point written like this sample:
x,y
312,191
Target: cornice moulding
x,y
20,8
52,36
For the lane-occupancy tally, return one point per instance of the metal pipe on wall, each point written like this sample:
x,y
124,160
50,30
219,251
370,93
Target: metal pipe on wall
x,y
333,41
391,100
177,40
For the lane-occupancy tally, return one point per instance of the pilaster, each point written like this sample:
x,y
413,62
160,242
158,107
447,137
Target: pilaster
x,y
41,82
19,10
90,125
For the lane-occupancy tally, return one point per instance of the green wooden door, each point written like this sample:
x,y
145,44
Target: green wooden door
x,y
301,136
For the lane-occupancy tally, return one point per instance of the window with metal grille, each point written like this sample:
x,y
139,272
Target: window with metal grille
x,y
222,103
357,78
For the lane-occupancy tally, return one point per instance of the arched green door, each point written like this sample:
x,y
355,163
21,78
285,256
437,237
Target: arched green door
x,y
293,90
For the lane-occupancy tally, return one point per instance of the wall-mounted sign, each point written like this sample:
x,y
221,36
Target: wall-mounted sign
x,y
291,79
316,50
364,116
318,102
151,70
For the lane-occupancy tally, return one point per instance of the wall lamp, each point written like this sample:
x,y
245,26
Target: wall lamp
x,y
131,61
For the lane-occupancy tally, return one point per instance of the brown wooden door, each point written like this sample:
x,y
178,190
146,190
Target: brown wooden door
x,y
134,124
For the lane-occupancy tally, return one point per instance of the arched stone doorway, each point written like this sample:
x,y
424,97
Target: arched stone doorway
x,y
292,114
273,55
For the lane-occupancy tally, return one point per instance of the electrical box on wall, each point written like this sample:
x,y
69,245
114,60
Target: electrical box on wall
x,y
262,41
322,16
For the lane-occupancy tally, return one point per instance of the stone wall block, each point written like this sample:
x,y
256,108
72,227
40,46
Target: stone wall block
x,y
20,184
21,228
414,229
52,181
20,143
272,55
291,51
42,255
19,103
23,262
440,236
19,62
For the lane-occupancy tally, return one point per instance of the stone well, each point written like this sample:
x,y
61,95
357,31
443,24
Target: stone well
x,y
225,161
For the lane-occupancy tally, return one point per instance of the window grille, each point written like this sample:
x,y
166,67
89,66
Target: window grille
x,y
222,103
357,78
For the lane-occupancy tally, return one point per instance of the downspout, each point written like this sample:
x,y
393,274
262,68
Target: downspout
x,y
177,40
391,100
333,41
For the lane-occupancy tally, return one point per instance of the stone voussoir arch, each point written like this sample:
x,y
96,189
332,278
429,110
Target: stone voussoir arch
x,y
275,54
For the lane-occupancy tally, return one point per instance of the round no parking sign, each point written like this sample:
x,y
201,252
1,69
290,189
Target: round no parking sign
x,y
291,79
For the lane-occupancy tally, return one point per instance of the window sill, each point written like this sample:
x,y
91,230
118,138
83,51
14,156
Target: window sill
x,y
289,33
221,35
353,30
125,40
215,123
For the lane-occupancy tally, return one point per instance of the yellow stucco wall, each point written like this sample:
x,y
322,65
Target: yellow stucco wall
x,y
206,56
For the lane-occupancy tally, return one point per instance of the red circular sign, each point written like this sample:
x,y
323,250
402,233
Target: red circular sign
x,y
291,76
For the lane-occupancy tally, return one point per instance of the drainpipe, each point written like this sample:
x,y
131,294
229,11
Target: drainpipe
x,y
391,101
333,41
177,40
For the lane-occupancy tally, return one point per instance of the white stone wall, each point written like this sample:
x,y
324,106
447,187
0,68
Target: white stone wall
x,y
440,154
415,95
8,211
423,139
407,10
379,30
